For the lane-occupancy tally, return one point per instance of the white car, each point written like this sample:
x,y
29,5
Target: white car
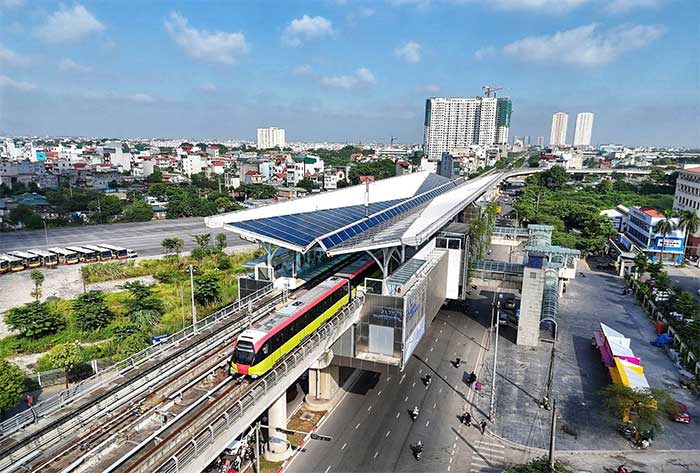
x,y
131,254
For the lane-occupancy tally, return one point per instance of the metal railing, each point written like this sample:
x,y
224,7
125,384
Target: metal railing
x,y
209,431
58,400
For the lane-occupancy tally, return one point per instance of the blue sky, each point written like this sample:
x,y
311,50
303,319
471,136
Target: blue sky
x,y
346,70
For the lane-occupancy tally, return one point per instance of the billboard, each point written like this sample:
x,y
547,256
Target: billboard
x,y
625,242
672,244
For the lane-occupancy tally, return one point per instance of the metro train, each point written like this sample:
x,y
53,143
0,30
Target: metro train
x,y
272,338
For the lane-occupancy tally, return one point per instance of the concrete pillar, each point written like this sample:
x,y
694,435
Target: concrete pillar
x,y
323,383
277,448
530,307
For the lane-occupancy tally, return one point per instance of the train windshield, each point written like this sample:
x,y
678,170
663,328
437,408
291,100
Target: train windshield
x,y
244,353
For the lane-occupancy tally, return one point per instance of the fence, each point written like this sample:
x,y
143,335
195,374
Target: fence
x,y
657,314
69,395
211,431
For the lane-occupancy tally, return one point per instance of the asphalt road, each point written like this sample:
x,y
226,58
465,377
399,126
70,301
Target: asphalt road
x,y
372,430
144,237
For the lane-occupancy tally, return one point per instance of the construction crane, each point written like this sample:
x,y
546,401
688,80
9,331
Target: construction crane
x,y
488,90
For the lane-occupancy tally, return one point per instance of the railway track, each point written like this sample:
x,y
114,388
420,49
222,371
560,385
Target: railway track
x,y
120,412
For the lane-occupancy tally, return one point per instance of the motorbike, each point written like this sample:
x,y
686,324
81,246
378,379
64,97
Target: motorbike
x,y
414,414
471,378
427,380
417,450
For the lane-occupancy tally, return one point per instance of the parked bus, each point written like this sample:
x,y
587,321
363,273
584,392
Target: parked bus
x,y
65,256
30,260
117,251
4,264
15,264
47,258
84,255
103,253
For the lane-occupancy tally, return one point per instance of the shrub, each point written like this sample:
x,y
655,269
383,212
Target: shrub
x,y
34,320
131,344
167,276
11,385
90,311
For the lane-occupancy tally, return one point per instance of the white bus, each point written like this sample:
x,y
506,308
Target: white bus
x,y
29,260
47,258
4,264
14,264
84,255
117,251
65,256
103,253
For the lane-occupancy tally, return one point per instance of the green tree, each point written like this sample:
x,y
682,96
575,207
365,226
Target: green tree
x,y
34,320
221,242
689,221
23,215
685,303
662,280
66,357
11,385
132,344
156,176
142,298
224,204
307,184
158,190
144,318
643,407
641,262
665,227
207,289
605,186
106,206
137,211
37,278
123,329
90,311
173,245
553,178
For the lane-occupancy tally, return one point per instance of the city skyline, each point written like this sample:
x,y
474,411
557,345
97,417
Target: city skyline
x,y
345,71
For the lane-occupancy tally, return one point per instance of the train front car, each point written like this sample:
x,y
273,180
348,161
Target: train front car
x,y
269,340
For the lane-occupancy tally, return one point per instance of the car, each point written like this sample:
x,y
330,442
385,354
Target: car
x,y
509,304
679,413
132,254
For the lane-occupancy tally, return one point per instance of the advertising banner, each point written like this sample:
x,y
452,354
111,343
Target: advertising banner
x,y
671,243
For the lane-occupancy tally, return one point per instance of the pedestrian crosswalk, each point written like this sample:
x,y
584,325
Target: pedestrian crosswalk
x,y
488,456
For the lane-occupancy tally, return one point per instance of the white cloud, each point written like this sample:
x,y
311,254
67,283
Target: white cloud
x,y
302,70
8,56
360,14
68,65
546,6
10,3
582,46
306,28
623,6
214,46
485,52
362,76
7,83
69,24
432,88
208,88
140,98
409,52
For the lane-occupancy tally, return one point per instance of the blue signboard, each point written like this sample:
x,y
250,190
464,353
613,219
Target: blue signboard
x,y
625,242
672,244
40,156
535,261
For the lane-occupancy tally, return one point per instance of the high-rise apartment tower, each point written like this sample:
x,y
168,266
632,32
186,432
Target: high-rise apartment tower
x,y
584,129
456,122
557,136
271,137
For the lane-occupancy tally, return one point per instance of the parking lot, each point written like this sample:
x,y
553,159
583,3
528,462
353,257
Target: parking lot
x,y
579,374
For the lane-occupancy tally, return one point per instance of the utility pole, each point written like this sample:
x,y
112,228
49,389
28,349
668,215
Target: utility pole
x,y
257,447
194,308
46,234
495,359
182,304
552,436
544,404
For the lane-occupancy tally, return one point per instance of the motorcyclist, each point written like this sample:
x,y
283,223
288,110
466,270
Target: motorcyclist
x,y
467,418
622,469
428,378
415,411
471,378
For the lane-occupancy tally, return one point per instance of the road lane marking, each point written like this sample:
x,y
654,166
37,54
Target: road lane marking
x,y
427,423
357,426
344,445
436,339
454,445
434,405
413,385
405,399
398,414
379,393
426,359
440,330
375,454
420,371
450,460
431,348
328,469
388,379
387,433
440,390
369,408
449,468
402,378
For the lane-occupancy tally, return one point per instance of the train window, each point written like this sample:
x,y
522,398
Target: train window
x,y
266,349
244,353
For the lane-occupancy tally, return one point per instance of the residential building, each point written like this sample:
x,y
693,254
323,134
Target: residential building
x,y
301,167
540,141
641,224
457,122
687,197
584,129
618,217
191,164
25,172
557,136
271,137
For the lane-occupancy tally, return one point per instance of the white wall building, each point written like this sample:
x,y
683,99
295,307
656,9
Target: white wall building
x,y
191,164
557,137
584,129
687,197
457,122
271,137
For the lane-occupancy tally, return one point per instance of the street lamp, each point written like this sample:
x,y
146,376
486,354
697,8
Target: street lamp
x,y
191,269
497,308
